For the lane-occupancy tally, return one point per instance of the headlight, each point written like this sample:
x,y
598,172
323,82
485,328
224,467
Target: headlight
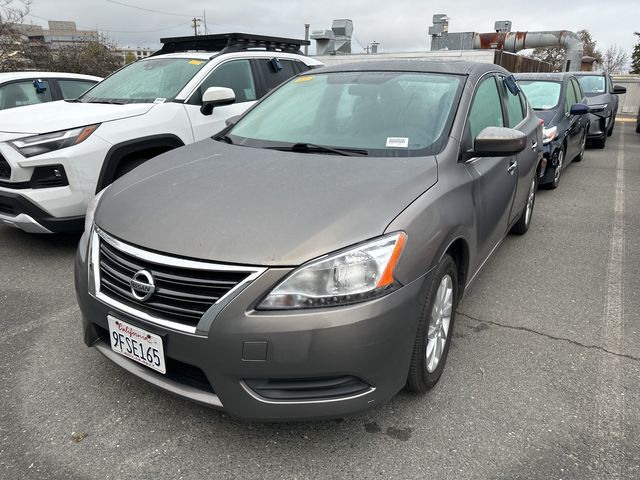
x,y
48,142
91,211
549,134
360,273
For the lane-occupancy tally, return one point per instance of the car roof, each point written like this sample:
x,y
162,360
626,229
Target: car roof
x,y
551,77
10,76
456,67
593,74
200,55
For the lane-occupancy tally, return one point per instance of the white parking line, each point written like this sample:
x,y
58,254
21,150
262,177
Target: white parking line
x,y
610,396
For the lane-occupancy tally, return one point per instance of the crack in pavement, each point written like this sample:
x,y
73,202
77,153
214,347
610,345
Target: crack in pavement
x,y
550,337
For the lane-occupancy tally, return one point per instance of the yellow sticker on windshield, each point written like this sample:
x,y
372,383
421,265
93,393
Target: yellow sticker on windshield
x,y
196,62
303,79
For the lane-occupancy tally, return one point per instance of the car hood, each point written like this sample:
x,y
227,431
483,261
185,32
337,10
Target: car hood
x,y
243,205
61,115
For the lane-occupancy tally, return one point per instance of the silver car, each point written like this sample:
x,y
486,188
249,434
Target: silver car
x,y
307,261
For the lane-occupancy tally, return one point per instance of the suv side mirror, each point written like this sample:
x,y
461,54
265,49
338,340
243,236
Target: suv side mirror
x,y
498,142
216,97
619,90
579,109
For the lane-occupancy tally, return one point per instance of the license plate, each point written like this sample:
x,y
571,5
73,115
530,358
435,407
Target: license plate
x,y
137,344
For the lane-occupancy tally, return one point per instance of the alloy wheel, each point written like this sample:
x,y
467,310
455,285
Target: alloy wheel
x,y
438,329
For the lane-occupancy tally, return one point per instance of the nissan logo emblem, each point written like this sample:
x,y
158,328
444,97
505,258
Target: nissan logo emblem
x,y
142,285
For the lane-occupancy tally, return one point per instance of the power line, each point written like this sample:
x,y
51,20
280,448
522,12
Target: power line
x,y
148,9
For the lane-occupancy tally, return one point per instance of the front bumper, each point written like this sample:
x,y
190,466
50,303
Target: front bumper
x,y
551,156
371,341
599,125
19,212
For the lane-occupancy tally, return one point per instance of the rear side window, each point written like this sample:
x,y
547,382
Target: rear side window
x,y
486,109
72,89
514,105
236,75
276,71
19,94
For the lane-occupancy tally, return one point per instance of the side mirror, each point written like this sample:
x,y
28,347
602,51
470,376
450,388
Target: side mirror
x,y
216,97
579,109
619,90
498,142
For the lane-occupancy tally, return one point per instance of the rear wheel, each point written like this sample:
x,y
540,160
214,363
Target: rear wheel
x,y
435,327
521,227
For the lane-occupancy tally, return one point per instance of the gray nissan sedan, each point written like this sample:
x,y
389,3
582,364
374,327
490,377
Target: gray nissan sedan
x,y
307,261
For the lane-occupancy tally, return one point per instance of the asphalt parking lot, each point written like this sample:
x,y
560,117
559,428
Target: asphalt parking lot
x,y
542,380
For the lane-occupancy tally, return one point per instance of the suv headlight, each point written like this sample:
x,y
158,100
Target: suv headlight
x,y
357,274
48,142
91,211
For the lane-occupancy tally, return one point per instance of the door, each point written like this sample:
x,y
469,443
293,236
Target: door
x,y
234,74
494,177
518,119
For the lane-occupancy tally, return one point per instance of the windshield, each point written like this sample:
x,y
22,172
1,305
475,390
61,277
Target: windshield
x,y
150,80
382,113
592,83
542,95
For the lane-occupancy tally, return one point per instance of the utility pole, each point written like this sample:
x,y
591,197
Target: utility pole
x,y
195,22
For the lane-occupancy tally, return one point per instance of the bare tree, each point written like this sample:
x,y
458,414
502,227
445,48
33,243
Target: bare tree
x,y
12,43
615,59
97,57
555,56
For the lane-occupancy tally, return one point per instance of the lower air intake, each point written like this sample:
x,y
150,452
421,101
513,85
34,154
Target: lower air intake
x,y
308,389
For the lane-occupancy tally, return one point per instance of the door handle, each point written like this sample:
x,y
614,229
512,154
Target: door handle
x,y
512,167
534,145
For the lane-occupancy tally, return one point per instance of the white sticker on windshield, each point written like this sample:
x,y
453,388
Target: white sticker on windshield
x,y
160,100
398,142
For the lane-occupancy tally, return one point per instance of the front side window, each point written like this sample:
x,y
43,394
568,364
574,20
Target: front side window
x,y
235,75
19,94
542,95
514,105
577,89
486,109
592,83
72,89
146,81
384,113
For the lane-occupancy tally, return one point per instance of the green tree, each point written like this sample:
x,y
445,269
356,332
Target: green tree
x,y
635,56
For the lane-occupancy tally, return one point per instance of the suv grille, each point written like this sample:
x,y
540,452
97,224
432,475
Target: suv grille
x,y
5,169
181,295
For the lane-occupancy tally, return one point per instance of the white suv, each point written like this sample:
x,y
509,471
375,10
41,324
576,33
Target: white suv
x,y
54,157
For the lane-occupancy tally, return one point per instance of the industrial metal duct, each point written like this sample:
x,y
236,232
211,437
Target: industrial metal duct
x,y
516,41
504,39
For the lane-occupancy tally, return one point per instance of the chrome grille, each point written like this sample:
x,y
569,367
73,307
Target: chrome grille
x,y
181,296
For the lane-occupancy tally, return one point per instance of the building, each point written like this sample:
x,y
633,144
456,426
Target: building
x,y
137,52
59,34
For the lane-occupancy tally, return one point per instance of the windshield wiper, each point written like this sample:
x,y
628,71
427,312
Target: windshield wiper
x,y
224,138
313,148
109,102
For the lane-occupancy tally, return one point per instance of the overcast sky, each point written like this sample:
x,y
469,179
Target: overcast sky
x,y
399,25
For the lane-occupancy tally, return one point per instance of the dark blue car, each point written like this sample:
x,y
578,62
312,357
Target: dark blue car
x,y
559,101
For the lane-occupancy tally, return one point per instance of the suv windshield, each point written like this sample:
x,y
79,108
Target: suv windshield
x,y
377,113
592,83
542,95
153,79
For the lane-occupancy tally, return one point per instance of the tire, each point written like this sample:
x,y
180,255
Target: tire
x,y
557,171
126,166
613,124
435,328
524,222
583,146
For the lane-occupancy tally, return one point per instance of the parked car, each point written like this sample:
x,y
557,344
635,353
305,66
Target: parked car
x,y
55,157
602,97
559,102
18,89
308,261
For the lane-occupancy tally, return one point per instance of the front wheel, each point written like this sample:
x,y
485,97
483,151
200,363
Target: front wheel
x,y
521,227
435,328
558,170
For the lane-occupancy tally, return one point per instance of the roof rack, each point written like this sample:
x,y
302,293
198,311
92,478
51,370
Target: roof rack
x,y
230,42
